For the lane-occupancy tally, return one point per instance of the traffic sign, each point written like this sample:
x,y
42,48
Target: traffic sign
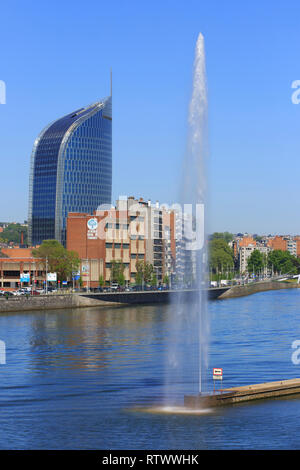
x,y
25,277
217,374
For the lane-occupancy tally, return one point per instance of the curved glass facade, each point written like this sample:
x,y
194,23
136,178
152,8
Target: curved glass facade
x,y
71,170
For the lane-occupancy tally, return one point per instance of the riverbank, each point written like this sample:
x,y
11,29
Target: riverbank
x,y
253,288
81,300
50,302
75,300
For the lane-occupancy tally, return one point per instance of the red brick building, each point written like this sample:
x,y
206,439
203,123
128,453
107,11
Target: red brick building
x,y
132,231
278,243
105,237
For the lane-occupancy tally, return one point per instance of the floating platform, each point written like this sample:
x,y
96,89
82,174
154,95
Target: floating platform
x,y
230,396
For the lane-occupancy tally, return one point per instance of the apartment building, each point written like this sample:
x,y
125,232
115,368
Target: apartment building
x,y
246,251
134,230
278,243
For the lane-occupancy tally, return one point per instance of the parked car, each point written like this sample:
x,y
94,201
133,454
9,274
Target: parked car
x,y
98,289
51,289
8,293
40,291
19,292
106,289
26,290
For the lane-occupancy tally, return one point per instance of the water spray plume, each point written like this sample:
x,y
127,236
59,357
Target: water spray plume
x,y
191,318
196,154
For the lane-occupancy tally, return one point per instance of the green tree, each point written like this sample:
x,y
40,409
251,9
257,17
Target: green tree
x,y
139,278
12,233
139,272
148,272
255,262
121,279
144,273
117,271
220,255
101,281
226,236
58,259
154,280
283,262
166,279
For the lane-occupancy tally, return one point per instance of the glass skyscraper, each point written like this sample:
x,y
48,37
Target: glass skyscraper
x,y
71,170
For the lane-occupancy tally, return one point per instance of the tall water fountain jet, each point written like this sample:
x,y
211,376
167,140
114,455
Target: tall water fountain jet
x,y
194,190
187,357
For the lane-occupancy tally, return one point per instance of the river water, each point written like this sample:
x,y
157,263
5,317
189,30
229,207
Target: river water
x,y
80,379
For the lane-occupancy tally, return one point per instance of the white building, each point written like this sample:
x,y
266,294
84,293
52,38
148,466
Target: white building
x,y
246,251
291,246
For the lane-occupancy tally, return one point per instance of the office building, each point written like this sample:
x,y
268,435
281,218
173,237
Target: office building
x,y
71,170
131,231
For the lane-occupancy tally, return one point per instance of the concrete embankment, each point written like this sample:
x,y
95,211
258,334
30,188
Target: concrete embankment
x,y
49,302
57,301
253,288
64,301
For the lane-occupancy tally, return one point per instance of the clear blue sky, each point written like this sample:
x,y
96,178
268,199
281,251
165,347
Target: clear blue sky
x,y
56,56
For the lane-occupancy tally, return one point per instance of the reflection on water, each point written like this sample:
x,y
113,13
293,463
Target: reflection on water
x,y
74,378
92,338
173,410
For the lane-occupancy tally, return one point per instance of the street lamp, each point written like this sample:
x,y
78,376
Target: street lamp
x,y
46,275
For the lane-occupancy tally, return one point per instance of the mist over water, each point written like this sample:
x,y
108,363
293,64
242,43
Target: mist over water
x,y
189,326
